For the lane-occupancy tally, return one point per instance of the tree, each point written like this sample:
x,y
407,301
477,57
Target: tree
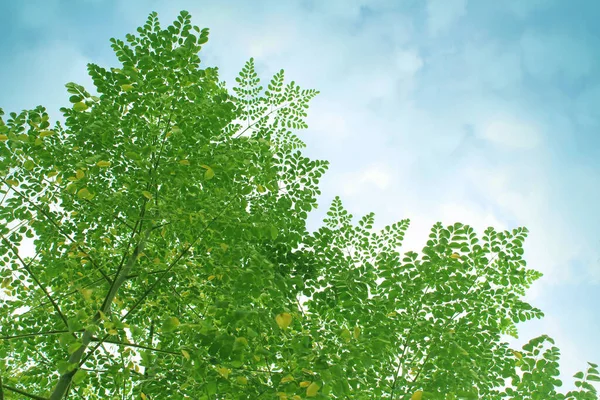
x,y
172,260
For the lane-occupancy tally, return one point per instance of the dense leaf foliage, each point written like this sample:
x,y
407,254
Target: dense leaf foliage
x,y
171,259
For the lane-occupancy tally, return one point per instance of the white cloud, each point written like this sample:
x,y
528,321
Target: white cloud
x,y
550,55
399,131
587,110
442,14
524,9
407,62
372,177
47,69
508,131
493,66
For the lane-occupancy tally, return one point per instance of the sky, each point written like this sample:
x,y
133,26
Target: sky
x,y
478,111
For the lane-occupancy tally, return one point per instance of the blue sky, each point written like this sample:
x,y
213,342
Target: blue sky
x,y
477,111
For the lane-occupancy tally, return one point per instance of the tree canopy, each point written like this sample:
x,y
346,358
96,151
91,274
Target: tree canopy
x,y
171,258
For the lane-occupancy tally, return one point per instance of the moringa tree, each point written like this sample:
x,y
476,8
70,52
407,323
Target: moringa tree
x,y
167,219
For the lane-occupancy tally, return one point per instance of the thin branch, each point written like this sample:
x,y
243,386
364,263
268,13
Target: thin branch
x,y
56,225
138,346
26,267
25,335
76,357
260,119
155,284
63,296
123,271
23,393
172,264
186,304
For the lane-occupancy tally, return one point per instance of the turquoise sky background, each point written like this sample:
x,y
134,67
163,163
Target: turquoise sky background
x,y
479,111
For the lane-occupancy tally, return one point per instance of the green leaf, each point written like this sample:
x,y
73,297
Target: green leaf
x,y
73,347
79,376
274,232
230,256
170,324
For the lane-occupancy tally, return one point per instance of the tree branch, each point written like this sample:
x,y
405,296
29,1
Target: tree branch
x,y
53,222
23,393
76,357
24,335
138,346
35,279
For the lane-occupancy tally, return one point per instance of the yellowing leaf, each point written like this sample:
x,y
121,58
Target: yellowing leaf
x,y
147,194
304,384
209,174
296,397
455,256
28,165
345,334
312,389
3,138
87,294
286,379
12,182
112,332
517,354
261,189
103,164
284,320
44,134
184,162
126,87
242,380
185,354
84,194
143,396
224,372
81,106
211,277
79,174
356,332
418,395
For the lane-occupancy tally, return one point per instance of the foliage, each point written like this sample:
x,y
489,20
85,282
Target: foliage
x,y
172,260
